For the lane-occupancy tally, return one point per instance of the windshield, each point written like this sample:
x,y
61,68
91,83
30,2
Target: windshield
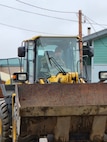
x,y
56,54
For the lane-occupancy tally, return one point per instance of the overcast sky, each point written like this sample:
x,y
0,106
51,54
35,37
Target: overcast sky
x,y
23,19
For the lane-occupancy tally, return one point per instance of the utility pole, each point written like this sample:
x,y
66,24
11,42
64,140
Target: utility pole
x,y
80,43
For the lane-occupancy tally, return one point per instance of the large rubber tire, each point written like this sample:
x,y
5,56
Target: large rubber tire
x,y
4,118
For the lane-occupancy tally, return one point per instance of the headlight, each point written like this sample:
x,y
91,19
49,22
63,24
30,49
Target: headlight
x,y
20,76
103,75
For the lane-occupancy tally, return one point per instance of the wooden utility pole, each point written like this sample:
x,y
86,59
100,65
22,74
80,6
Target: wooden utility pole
x,y
80,43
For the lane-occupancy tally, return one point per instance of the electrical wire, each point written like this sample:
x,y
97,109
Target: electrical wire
x,y
96,32
19,28
88,19
31,13
93,22
38,13
21,10
45,8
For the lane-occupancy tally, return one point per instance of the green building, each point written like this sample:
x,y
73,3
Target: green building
x,y
98,42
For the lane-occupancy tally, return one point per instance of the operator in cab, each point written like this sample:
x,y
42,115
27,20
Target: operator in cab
x,y
58,56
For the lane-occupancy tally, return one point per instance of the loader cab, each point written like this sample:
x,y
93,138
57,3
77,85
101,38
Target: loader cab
x,y
39,59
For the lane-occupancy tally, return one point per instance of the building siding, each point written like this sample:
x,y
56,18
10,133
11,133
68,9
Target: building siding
x,y
100,51
95,72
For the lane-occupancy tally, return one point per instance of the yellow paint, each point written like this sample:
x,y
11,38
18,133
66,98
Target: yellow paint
x,y
71,77
13,119
14,130
41,81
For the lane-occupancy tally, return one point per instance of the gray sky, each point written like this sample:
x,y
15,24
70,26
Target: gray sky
x,y
23,19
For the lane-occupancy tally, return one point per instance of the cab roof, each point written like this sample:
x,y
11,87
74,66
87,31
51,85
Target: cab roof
x,y
36,37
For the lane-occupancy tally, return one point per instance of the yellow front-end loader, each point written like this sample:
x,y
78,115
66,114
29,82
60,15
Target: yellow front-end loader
x,y
50,101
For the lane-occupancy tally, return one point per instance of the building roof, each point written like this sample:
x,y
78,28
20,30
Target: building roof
x,y
95,35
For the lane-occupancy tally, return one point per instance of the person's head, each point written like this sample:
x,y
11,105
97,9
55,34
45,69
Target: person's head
x,y
58,51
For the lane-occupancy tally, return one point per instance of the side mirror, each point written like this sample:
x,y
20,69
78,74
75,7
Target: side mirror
x,y
21,52
88,51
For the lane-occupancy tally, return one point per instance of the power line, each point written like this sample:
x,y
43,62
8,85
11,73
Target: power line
x,y
45,8
19,28
38,13
43,15
59,12
21,10
95,23
97,34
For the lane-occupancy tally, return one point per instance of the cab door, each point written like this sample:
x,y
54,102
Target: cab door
x,y
30,61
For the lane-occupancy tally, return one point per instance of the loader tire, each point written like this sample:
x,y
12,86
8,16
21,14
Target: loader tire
x,y
4,119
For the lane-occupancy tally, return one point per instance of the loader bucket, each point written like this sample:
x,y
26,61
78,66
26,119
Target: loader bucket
x,y
65,111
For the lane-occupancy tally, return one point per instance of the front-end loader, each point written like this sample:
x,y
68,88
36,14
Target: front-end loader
x,y
51,102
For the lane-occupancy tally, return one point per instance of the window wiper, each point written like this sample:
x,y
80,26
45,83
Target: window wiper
x,y
47,55
57,65
53,60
